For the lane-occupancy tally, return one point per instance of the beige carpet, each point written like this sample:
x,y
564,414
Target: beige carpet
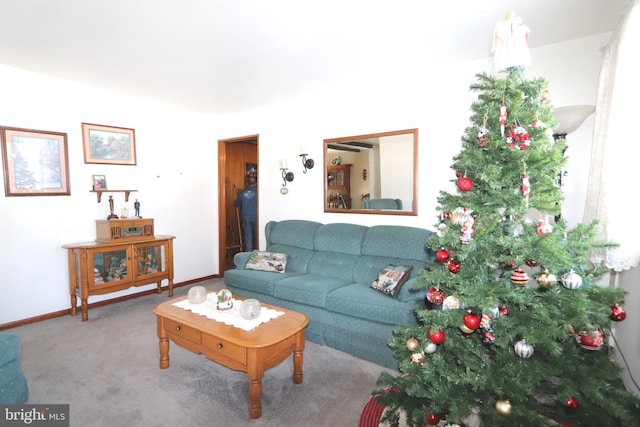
x,y
107,370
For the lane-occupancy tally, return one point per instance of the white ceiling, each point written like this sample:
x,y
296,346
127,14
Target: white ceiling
x,y
224,56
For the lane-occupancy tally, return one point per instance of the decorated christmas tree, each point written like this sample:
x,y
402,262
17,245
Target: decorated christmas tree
x,y
515,330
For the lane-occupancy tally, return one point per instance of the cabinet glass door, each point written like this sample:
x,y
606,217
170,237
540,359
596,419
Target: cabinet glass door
x,y
110,266
149,259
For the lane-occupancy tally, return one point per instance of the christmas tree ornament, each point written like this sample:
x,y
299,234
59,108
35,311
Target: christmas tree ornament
x,y
454,266
466,329
412,344
430,348
451,303
442,255
572,403
518,137
504,311
503,407
483,134
418,358
435,295
437,337
465,217
488,338
526,186
530,262
523,349
471,320
546,279
502,118
618,314
466,232
442,229
456,215
433,419
464,183
544,227
590,341
519,277
571,280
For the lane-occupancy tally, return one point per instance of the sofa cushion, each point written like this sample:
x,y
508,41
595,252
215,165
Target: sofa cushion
x,y
311,289
292,232
267,261
333,264
359,300
297,258
396,241
341,238
391,278
261,282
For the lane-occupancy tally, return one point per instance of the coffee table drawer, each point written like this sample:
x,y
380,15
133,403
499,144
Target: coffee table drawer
x,y
176,329
220,349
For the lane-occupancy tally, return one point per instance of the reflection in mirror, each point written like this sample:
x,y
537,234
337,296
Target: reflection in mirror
x,y
372,174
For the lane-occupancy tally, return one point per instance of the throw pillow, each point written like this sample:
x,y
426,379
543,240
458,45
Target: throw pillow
x,y
267,261
391,278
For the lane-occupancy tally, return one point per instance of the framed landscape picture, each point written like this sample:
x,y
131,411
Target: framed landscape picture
x,y
108,144
35,162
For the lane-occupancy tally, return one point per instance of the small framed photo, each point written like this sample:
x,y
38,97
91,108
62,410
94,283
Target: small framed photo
x,y
108,144
99,182
35,162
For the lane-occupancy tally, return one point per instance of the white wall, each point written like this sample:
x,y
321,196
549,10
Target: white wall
x,y
176,173
175,178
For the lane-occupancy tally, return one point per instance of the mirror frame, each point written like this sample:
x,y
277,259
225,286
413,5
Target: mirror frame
x,y
413,211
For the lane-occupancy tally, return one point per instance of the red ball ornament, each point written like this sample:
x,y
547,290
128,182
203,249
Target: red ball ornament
x,y
585,339
471,320
465,184
617,313
442,255
437,337
454,266
504,311
433,419
435,295
572,403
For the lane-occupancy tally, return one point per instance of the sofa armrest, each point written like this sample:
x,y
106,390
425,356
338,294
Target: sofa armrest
x,y
240,259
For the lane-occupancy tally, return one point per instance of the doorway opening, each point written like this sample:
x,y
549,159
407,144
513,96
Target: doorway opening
x,y
237,158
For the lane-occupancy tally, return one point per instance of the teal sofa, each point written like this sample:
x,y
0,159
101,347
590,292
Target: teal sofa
x,y
13,384
328,276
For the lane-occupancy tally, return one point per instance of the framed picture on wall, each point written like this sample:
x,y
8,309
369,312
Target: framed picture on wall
x,y
108,144
99,182
35,162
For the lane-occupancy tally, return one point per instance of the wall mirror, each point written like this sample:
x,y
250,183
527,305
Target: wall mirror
x,y
372,174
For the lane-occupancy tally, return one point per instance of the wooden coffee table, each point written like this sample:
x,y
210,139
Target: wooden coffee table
x,y
252,352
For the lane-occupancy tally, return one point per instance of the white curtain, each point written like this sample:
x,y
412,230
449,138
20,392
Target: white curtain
x,y
614,180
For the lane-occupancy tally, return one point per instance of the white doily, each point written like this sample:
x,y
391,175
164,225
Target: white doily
x,y
230,317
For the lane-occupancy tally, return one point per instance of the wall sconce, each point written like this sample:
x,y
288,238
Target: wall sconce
x,y
307,163
287,176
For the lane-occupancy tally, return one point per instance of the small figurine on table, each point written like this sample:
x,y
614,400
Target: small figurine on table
x,y
136,207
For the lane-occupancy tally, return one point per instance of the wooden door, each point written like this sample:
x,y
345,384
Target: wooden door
x,y
234,157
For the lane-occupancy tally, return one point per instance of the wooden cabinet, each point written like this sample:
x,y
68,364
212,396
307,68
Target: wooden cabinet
x,y
99,268
339,187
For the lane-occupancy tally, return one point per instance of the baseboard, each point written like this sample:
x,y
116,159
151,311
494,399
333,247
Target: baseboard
x,y
67,312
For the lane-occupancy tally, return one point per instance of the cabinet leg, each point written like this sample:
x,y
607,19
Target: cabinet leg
x,y
74,305
85,308
170,288
159,290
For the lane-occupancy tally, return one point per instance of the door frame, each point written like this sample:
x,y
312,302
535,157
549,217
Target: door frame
x,y
222,195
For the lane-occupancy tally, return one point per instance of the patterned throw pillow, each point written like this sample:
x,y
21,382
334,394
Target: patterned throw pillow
x,y
391,278
267,261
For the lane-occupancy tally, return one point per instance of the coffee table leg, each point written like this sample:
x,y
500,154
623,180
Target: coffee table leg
x,y
255,371
297,358
163,345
